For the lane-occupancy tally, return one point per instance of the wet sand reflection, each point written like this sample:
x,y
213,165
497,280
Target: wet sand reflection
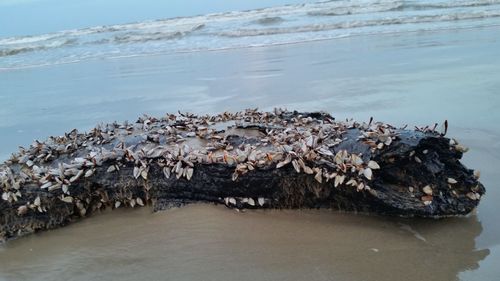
x,y
205,242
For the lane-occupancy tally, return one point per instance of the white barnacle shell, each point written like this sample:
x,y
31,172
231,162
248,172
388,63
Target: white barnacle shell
x,y
139,201
253,155
67,199
76,177
37,201
281,164
179,173
229,159
473,196
166,172
427,190
21,210
339,179
79,160
356,160
137,172
144,174
46,185
325,151
178,167
461,148
339,157
189,173
319,176
308,170
361,186
287,160
310,141
367,172
251,202
55,186
261,201
352,182
111,169
234,177
89,173
373,165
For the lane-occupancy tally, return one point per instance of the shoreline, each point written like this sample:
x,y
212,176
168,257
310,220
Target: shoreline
x,y
240,244
229,49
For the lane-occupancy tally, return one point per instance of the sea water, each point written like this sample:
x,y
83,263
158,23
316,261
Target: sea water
x,y
402,62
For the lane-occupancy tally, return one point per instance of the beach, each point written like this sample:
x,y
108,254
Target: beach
x,y
414,78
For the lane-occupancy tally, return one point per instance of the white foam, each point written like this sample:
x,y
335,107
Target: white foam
x,y
241,29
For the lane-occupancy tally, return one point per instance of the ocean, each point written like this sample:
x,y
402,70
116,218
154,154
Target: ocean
x,y
286,24
402,62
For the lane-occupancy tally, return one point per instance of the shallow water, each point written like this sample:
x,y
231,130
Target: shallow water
x,y
264,24
416,78
204,242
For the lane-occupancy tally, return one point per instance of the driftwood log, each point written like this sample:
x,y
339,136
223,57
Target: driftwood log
x,y
249,159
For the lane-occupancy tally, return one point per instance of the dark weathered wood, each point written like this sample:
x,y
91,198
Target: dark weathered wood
x,y
414,160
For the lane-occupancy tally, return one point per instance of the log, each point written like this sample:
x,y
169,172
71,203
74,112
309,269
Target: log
x,y
248,159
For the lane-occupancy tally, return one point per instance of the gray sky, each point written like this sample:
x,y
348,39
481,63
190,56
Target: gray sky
x,y
28,17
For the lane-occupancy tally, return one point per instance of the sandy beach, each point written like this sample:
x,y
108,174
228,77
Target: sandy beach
x,y
414,78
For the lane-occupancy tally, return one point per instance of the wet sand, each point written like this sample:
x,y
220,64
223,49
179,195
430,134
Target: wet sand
x,y
416,78
205,242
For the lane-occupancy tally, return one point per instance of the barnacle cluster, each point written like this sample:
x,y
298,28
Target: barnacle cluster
x,y
311,143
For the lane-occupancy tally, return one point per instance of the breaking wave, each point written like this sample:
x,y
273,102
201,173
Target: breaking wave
x,y
453,4
358,24
358,9
387,6
240,29
15,50
138,36
269,20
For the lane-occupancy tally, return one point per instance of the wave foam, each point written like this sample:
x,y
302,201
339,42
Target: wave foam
x,y
358,24
260,27
15,50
